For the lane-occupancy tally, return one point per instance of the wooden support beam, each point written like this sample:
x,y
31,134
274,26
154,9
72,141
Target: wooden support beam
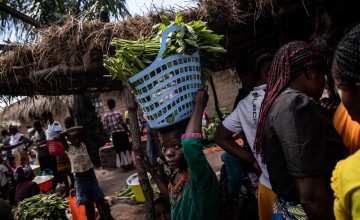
x,y
17,14
139,155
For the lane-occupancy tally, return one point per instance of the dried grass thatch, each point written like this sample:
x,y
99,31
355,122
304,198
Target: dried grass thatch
x,y
67,59
27,109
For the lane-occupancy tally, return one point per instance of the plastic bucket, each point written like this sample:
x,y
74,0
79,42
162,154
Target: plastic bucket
x,y
133,183
44,182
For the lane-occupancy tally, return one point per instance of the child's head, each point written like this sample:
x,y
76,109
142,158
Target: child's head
x,y
69,122
162,209
170,140
74,137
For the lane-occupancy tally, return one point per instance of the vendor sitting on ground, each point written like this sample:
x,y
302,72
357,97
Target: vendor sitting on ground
x,y
25,188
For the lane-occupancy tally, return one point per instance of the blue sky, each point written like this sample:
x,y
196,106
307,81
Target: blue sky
x,y
141,7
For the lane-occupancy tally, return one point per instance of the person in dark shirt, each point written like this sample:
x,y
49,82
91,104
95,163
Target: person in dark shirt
x,y
299,144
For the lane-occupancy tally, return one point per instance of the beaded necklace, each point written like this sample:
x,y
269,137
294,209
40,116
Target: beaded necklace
x,y
176,192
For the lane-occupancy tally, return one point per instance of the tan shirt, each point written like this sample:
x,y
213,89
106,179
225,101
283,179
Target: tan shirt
x,y
79,158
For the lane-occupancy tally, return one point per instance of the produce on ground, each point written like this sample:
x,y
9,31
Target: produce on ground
x,y
41,206
127,193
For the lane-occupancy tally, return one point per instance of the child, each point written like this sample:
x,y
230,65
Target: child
x,y
86,185
162,209
193,188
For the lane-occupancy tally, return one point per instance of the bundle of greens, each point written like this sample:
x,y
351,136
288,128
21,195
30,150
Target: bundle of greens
x,y
134,56
41,206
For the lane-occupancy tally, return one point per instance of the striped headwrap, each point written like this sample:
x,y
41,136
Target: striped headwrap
x,y
288,64
347,56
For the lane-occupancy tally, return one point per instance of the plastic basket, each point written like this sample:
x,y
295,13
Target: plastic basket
x,y
56,148
44,182
165,90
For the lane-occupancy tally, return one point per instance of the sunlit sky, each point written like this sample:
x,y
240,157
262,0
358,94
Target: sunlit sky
x,y
141,7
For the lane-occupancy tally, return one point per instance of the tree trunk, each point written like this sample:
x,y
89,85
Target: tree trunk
x,y
139,155
86,116
216,102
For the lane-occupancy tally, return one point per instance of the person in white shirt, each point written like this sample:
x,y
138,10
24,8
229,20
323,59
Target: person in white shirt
x,y
18,144
244,119
62,172
53,127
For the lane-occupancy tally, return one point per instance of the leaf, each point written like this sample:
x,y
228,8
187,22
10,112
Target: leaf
x,y
165,20
191,42
178,18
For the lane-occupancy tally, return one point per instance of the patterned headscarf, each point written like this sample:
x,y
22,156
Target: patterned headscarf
x,y
347,56
288,64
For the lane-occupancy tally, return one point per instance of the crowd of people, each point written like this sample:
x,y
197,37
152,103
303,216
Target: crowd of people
x,y
296,163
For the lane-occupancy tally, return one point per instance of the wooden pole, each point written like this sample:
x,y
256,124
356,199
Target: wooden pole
x,y
139,155
216,102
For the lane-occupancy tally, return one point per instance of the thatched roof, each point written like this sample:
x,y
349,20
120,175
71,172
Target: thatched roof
x,y
29,108
67,59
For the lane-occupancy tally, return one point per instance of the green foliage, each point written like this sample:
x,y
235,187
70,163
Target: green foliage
x,y
48,12
224,114
40,207
134,56
208,132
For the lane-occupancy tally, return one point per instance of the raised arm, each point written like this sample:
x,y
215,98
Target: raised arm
x,y
201,98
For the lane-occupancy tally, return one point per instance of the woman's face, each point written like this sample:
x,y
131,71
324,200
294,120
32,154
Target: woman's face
x,y
172,150
318,82
350,96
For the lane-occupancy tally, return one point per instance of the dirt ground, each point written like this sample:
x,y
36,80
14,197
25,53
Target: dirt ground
x,y
112,180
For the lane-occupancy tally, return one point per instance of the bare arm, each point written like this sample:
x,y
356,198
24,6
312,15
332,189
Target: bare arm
x,y
62,138
10,170
201,98
224,138
22,140
314,198
159,182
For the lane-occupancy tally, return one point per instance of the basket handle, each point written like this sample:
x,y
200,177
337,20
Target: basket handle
x,y
164,37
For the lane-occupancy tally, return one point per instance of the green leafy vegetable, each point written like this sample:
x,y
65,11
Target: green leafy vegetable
x,y
134,56
41,206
